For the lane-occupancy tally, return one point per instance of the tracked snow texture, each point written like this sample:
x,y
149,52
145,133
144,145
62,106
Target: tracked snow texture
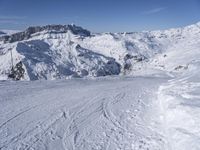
x,y
153,105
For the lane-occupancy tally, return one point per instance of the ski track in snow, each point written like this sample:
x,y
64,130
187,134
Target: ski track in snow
x,y
142,113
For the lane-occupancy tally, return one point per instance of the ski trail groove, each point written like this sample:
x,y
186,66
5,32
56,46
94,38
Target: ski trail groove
x,y
17,115
91,108
107,109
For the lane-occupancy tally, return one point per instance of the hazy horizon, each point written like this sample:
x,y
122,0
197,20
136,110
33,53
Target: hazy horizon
x,y
100,16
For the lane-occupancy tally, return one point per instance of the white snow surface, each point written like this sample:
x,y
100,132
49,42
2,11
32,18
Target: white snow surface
x,y
152,105
127,113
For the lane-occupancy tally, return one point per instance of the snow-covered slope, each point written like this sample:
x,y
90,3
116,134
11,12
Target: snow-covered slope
x,y
140,113
157,109
53,53
57,51
81,115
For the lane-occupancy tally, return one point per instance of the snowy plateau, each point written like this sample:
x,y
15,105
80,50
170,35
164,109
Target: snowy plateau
x,y
100,91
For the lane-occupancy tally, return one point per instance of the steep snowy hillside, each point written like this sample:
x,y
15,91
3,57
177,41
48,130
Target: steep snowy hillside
x,y
56,51
51,52
181,48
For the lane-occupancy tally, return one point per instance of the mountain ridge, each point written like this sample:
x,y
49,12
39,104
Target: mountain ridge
x,y
51,52
24,35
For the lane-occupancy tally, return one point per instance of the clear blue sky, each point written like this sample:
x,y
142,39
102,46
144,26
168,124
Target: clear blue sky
x,y
100,15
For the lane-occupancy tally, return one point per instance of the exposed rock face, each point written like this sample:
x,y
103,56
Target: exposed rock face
x,y
17,73
20,36
98,64
130,60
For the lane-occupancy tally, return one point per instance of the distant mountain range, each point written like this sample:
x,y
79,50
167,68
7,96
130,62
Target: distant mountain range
x,y
67,51
7,32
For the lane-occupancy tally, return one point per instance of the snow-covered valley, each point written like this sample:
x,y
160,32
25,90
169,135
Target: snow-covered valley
x,y
149,99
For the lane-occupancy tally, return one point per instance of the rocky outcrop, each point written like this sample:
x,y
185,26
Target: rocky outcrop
x,y
95,63
130,60
17,72
20,36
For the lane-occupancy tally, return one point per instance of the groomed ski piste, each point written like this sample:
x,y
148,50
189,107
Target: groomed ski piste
x,y
153,108
140,113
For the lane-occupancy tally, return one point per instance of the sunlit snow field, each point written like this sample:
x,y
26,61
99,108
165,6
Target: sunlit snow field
x,y
133,113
